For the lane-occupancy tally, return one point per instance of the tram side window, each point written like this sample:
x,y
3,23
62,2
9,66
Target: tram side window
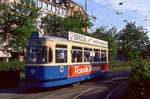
x,y
50,55
97,55
44,54
88,54
103,55
61,53
76,54
37,54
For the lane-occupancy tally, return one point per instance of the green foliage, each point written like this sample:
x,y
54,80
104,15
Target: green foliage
x,y
53,25
11,65
146,54
106,34
5,20
23,33
132,39
76,23
56,26
140,79
18,19
119,64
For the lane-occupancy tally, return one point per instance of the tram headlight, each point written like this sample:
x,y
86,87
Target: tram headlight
x,y
61,69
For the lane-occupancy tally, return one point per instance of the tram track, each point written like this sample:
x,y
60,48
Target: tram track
x,y
110,95
83,93
93,89
101,92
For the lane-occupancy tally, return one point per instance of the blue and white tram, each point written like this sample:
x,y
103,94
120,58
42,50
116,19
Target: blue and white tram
x,y
54,61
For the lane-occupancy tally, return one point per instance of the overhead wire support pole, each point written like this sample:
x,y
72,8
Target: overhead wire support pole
x,y
86,6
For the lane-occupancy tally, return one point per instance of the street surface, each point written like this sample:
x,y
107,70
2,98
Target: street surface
x,y
91,89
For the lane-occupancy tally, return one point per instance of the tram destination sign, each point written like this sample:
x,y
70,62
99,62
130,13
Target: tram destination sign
x,y
86,39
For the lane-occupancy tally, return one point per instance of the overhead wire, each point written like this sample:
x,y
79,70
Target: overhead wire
x,y
105,14
116,12
122,15
126,16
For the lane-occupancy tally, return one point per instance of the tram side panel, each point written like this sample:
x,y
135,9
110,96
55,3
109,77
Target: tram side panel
x,y
40,76
49,76
87,71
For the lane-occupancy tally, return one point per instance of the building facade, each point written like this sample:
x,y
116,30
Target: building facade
x,y
61,8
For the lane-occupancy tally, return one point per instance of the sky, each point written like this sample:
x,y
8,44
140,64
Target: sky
x,y
111,13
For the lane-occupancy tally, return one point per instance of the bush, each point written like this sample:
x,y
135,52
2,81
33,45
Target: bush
x,y
139,79
11,65
119,64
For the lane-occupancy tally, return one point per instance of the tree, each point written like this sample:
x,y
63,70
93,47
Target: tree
x,y
132,39
77,23
106,34
18,19
58,26
53,25
4,20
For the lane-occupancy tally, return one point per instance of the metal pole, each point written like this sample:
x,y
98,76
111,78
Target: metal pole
x,y
85,6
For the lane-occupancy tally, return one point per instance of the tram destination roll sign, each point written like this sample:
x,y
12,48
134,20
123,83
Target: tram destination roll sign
x,y
86,39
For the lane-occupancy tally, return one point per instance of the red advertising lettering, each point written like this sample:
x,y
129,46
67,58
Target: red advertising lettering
x,y
78,70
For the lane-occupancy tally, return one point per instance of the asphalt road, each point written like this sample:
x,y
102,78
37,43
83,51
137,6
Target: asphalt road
x,y
91,89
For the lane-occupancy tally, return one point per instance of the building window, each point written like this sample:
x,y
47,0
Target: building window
x,y
45,7
60,11
61,53
76,54
53,9
40,3
57,10
49,8
54,1
64,12
36,2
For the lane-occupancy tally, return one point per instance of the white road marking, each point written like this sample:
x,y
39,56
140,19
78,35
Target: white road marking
x,y
83,93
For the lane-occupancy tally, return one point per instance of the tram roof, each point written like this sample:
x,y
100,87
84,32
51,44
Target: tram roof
x,y
54,38
75,37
